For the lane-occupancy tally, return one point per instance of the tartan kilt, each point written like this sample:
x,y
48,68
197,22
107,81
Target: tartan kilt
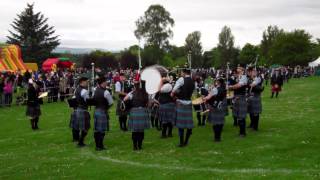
x,y
216,115
138,119
81,120
275,88
72,119
119,112
240,107
167,113
254,104
184,118
33,111
101,120
225,107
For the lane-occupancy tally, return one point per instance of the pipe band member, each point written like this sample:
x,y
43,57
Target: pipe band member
x,y
167,113
103,101
33,104
239,109
138,116
183,89
203,92
217,100
254,100
122,88
81,117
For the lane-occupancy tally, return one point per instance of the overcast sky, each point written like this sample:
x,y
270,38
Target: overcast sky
x,y
109,24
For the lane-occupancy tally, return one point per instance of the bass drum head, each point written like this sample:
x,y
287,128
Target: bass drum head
x,y
153,77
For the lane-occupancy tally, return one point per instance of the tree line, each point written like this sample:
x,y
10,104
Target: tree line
x,y
37,39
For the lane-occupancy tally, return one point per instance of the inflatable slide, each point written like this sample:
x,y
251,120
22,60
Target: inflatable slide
x,y
11,59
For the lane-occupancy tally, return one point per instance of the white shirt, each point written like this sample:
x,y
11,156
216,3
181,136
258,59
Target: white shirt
x,y
118,86
214,91
108,97
84,94
166,88
256,81
243,80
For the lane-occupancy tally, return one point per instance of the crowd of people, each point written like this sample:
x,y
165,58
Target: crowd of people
x,y
172,106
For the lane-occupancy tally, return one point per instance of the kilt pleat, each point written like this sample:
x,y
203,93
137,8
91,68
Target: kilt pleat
x,y
33,111
254,105
184,117
138,119
167,113
239,109
81,119
216,115
101,120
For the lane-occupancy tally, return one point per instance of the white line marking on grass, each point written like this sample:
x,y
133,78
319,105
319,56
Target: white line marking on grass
x,y
208,169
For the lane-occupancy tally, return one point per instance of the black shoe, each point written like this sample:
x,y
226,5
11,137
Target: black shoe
x,y
181,145
99,149
217,140
81,145
163,137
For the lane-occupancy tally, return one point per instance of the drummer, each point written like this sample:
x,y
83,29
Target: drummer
x,y
199,108
217,105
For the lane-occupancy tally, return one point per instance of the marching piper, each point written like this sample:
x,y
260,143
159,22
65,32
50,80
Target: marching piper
x,y
138,116
103,100
254,98
80,122
217,110
239,109
183,90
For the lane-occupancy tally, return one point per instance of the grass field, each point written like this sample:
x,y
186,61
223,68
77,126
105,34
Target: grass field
x,y
286,147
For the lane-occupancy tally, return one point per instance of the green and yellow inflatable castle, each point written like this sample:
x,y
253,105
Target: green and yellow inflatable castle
x,y
11,59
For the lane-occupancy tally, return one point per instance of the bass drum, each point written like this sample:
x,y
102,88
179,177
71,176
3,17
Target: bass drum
x,y
153,77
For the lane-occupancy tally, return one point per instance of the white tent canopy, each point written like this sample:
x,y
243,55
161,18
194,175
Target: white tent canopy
x,y
315,63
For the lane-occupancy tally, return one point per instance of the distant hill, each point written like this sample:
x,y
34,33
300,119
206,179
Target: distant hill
x,y
76,50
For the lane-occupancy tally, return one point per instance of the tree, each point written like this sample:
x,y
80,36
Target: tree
x,y
129,57
268,38
33,34
193,45
292,48
227,52
155,27
248,54
104,60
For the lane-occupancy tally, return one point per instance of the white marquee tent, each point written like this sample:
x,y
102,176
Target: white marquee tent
x,y
315,63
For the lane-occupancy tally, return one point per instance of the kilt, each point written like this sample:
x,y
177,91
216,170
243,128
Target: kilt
x,y
254,104
33,111
184,119
101,120
80,119
138,119
119,112
167,113
216,116
239,109
275,88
